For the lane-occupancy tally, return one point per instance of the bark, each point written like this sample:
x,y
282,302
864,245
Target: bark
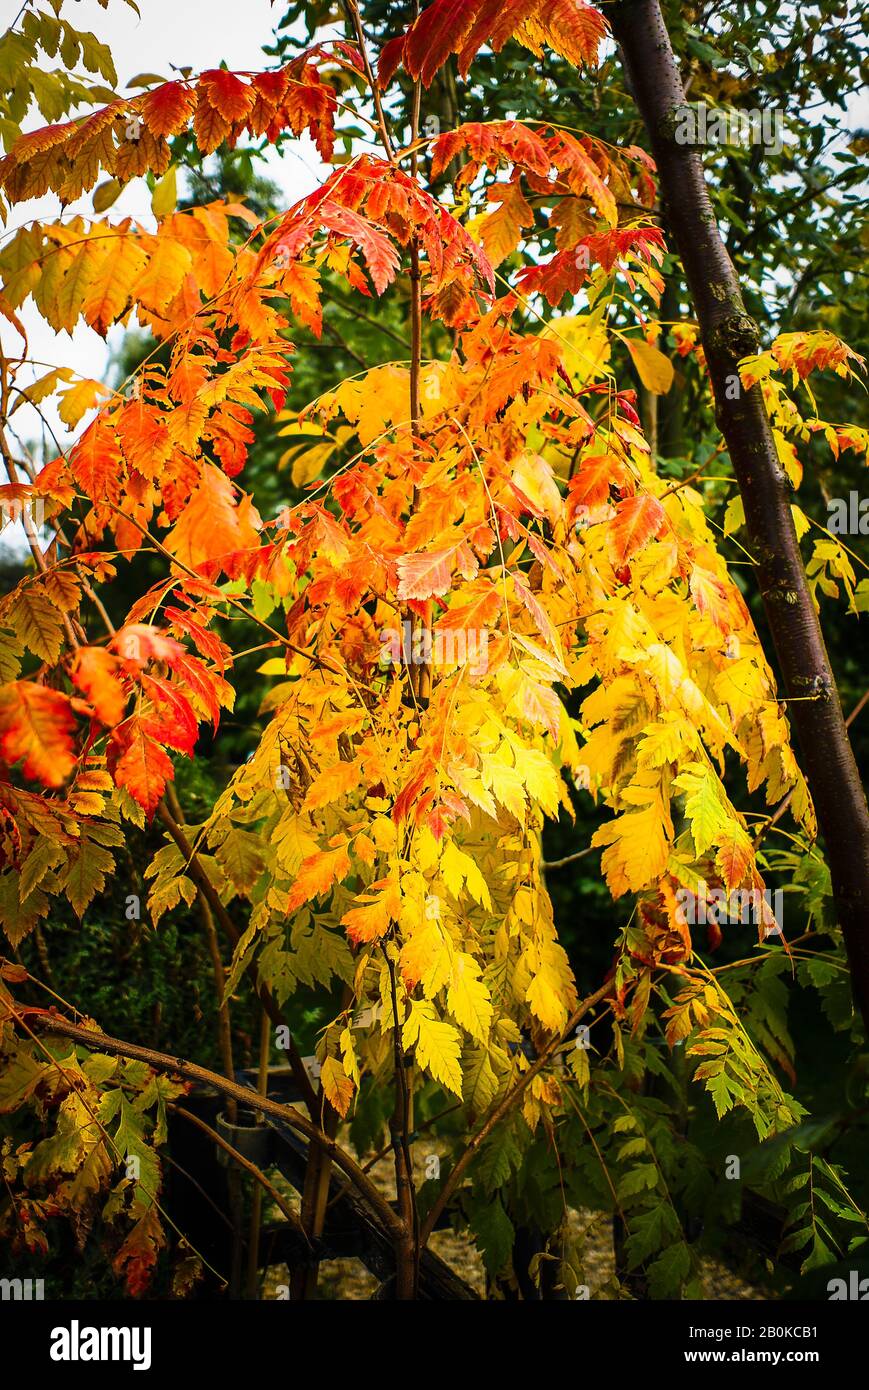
x,y
728,334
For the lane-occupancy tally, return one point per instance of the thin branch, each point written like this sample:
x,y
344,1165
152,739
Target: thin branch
x,y
568,859
256,1173
191,1071
496,1116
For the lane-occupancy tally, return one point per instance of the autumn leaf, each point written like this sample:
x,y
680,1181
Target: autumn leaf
x,y
36,725
167,109
570,27
637,520
317,875
337,1086
425,575
95,463
37,623
380,907
653,368
137,762
436,1045
213,526
95,672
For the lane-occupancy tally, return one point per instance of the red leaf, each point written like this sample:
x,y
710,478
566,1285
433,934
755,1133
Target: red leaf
x,y
175,725
227,93
168,108
637,520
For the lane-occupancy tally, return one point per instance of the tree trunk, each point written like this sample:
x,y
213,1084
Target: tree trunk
x,y
728,334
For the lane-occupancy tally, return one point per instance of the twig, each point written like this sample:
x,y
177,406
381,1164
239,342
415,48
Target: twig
x,y
568,859
495,1116
256,1173
191,1071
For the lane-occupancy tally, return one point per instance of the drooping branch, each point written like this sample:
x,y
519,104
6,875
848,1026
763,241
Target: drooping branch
x,y
191,1071
728,334
504,1106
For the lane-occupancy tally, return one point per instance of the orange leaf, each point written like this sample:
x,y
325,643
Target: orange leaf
x,y
95,463
227,93
332,783
423,576
637,520
212,526
591,485
338,1087
381,907
95,673
317,875
36,724
137,762
167,109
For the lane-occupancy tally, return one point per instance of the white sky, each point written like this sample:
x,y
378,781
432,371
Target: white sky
x,y
196,33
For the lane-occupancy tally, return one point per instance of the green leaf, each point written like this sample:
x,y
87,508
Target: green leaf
x,y
494,1234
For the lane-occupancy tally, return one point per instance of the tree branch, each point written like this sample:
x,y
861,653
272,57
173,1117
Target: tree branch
x,y
496,1116
47,1022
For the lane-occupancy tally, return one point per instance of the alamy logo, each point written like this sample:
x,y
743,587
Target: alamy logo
x,y
418,646
740,906
848,516
25,1290
853,1289
76,1343
703,125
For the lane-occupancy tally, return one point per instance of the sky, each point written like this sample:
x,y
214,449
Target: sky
x,y
196,33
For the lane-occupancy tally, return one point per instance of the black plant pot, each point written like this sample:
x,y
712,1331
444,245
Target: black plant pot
x,y
250,1136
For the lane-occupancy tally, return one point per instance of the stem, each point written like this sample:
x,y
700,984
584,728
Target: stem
x,y
191,1071
315,1194
353,11
256,1200
729,334
496,1116
406,1274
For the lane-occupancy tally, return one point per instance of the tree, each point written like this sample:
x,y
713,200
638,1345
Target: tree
x,y
490,537
729,335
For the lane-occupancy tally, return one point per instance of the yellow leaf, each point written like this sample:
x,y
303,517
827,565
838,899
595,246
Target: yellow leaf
x,y
468,999
437,1045
337,1086
638,849
105,194
165,194
426,958
653,368
84,395
458,868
